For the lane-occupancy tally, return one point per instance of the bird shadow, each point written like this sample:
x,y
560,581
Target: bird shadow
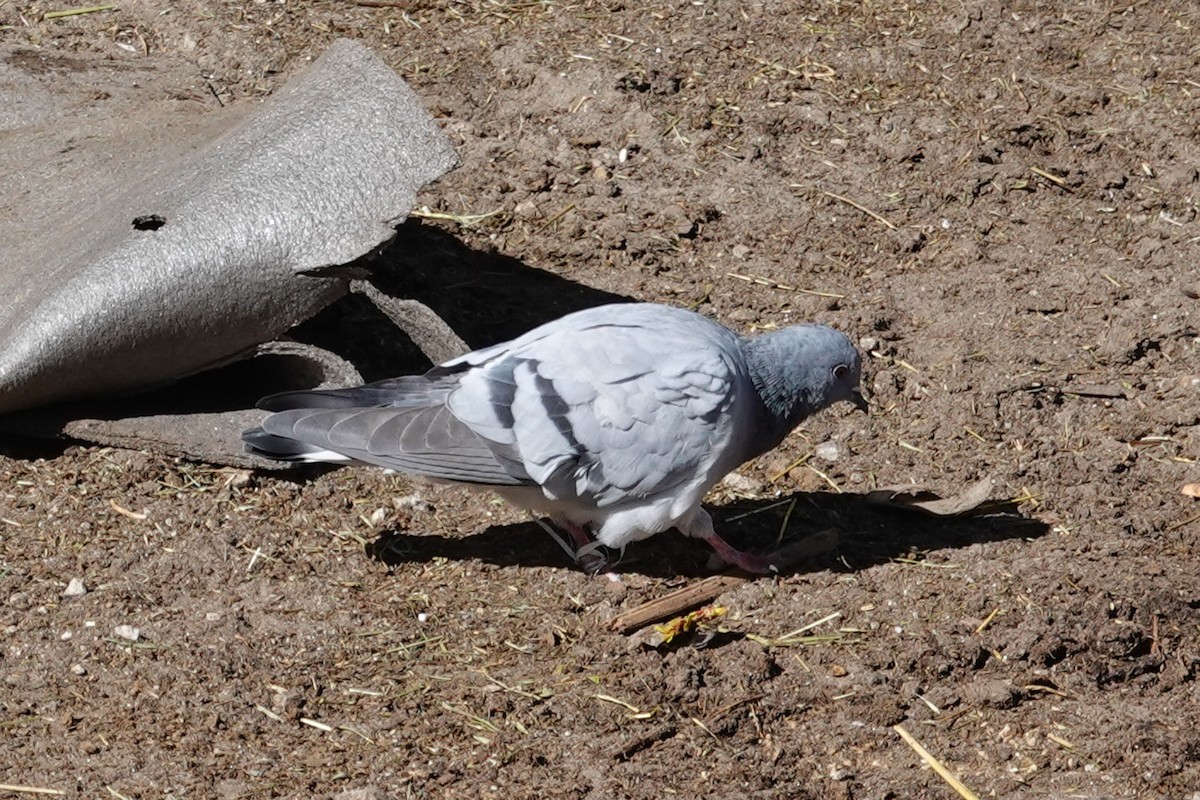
x,y
484,295
865,534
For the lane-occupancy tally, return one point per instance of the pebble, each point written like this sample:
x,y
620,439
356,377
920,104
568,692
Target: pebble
x,y
412,502
365,793
75,588
742,483
840,774
79,669
127,632
828,451
527,209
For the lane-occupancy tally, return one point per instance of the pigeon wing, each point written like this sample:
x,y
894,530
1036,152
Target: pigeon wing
x,y
615,410
401,424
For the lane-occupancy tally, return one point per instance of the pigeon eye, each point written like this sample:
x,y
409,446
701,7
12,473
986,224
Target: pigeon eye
x,y
840,371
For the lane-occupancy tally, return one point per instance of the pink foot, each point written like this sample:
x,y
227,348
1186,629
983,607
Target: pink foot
x,y
759,565
770,564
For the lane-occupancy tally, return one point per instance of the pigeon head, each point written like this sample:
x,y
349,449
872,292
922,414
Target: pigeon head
x,y
800,370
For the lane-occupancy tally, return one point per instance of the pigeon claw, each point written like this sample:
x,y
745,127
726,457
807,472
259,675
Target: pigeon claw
x,y
595,559
591,556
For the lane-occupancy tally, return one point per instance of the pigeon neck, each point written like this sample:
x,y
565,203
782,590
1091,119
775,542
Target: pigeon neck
x,y
785,402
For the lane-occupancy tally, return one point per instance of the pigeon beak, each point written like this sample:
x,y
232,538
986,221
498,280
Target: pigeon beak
x,y
859,401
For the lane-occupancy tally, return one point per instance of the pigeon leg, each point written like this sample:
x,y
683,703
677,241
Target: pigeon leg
x,y
700,526
811,546
589,554
759,565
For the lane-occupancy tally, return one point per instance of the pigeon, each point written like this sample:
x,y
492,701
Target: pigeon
x,y
613,421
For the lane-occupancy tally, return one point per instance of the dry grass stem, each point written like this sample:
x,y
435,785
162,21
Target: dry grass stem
x,y
557,216
14,788
938,767
425,212
751,513
798,462
1061,741
785,287
634,711
983,625
1049,176
312,723
268,712
125,512
832,483
787,518
797,637
873,215
74,12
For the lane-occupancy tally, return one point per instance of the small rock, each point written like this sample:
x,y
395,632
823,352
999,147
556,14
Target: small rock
x,y
127,632
868,344
527,209
75,588
412,502
287,704
828,451
838,671
740,251
367,793
741,483
377,518
19,601
238,478
79,669
992,692
840,773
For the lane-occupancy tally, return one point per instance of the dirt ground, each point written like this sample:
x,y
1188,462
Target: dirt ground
x,y
998,201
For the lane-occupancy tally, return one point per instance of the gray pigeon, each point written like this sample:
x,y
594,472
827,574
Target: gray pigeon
x,y
615,420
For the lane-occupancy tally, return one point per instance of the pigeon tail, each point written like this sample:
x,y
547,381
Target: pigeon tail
x,y
268,445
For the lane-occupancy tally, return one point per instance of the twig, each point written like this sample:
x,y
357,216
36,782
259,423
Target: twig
x,y
938,767
676,602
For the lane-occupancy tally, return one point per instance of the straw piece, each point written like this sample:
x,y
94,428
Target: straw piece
x,y
938,767
10,787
